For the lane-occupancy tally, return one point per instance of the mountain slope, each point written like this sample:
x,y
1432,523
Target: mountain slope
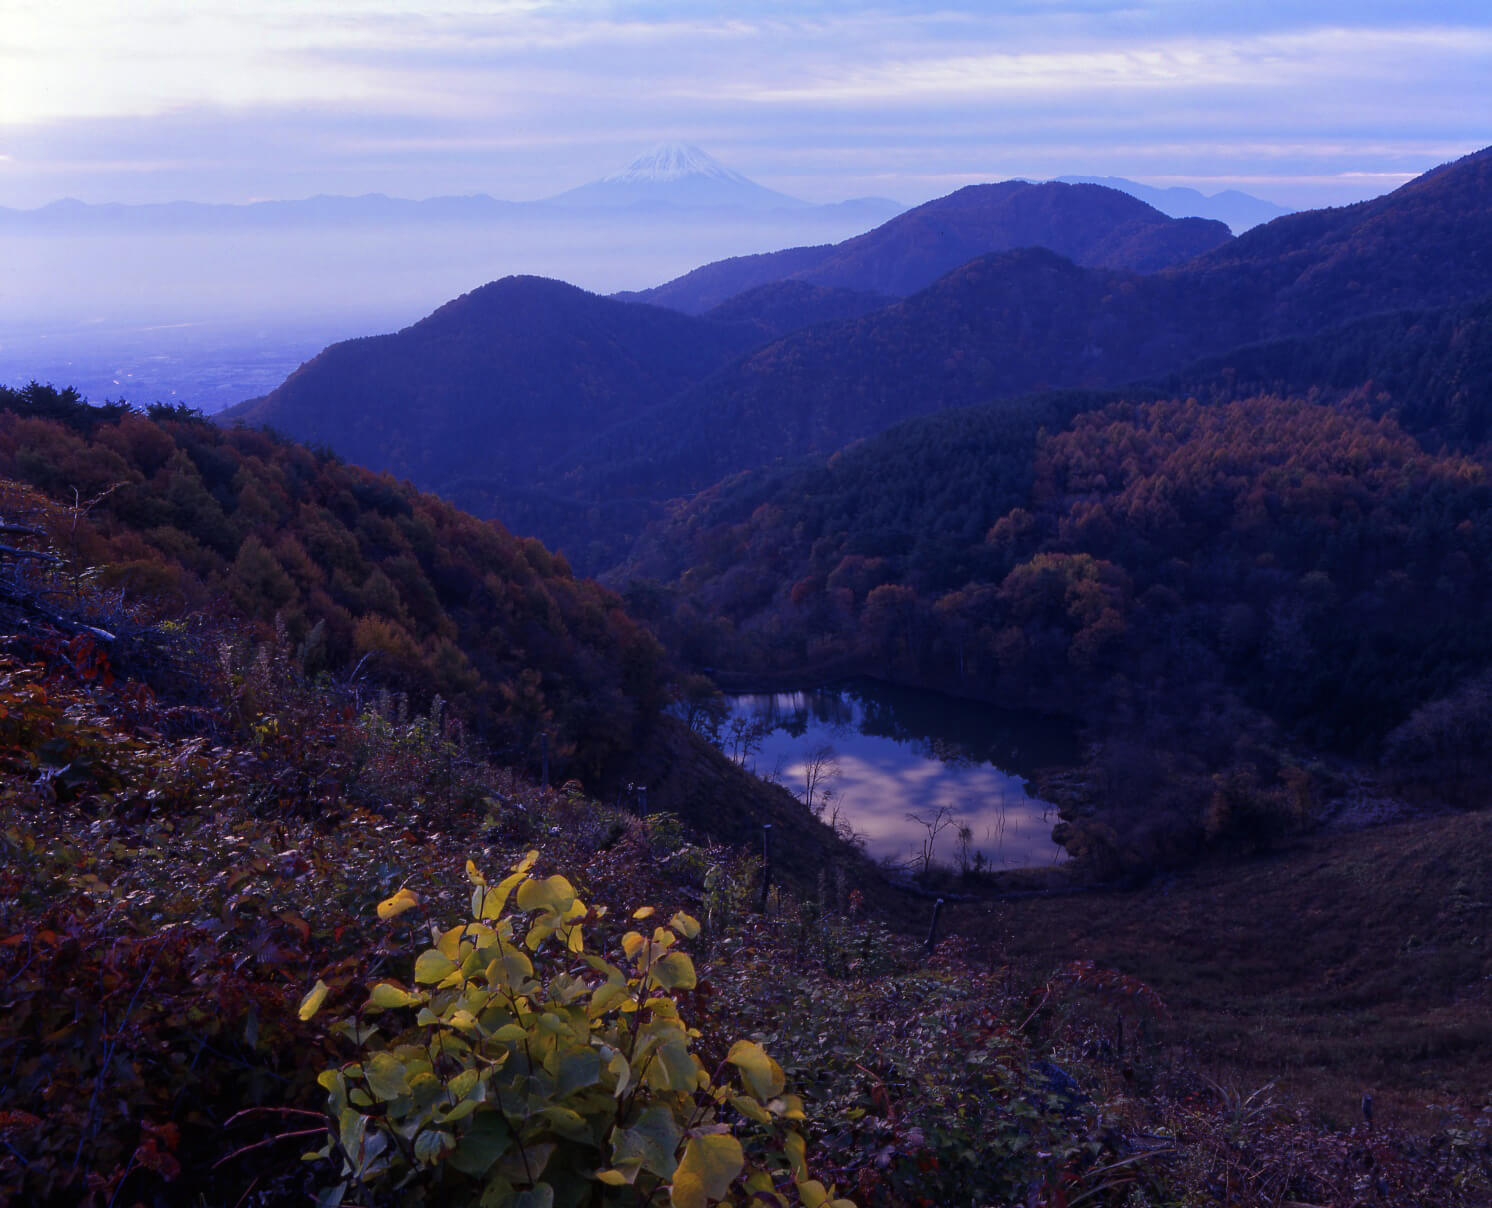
x,y
781,307
1087,224
1030,320
502,378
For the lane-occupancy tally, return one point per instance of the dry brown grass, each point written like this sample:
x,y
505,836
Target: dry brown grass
x,y
1349,962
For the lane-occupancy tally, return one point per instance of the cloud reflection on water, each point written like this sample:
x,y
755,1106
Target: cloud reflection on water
x,y
882,779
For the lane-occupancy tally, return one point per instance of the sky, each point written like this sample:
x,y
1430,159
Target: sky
x,y
1305,104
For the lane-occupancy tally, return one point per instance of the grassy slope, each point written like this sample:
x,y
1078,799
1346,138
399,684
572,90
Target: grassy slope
x,y
1350,961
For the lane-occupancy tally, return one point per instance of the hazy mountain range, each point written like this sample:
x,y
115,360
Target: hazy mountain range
x,y
611,416
1240,211
671,176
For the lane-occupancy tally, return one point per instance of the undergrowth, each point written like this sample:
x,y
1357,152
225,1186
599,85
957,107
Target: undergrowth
x,y
179,871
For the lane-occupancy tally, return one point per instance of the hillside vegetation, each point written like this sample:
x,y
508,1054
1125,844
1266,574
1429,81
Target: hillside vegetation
x,y
1211,587
227,887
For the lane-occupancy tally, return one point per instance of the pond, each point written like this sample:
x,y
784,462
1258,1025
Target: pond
x,y
916,774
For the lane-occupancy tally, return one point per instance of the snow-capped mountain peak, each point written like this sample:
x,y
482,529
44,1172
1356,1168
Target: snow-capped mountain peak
x,y
679,176
673,161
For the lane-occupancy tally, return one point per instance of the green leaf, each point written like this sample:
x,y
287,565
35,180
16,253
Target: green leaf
x,y
481,1145
675,972
709,1166
432,967
653,1142
432,1145
386,996
311,1003
577,1070
386,1076
762,1076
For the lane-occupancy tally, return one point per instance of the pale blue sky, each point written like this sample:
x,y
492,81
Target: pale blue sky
x,y
1306,103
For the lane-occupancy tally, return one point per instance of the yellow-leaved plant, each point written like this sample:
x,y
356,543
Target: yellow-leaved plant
x,y
526,1071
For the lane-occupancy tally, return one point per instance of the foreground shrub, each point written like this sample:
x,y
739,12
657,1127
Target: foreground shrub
x,y
526,1070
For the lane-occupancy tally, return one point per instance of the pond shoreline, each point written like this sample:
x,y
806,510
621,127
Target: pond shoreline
x,y
920,775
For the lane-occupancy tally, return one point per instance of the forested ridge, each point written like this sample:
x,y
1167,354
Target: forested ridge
x,y
1019,321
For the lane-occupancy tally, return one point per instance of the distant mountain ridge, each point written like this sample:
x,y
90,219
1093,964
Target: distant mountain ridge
x,y
593,454
1029,320
1241,211
1091,225
669,176
677,175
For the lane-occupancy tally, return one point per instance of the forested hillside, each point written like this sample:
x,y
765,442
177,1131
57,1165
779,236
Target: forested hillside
x,y
256,949
1208,585
575,418
495,383
360,571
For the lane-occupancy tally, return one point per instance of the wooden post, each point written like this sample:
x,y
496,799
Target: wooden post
x,y
766,862
932,932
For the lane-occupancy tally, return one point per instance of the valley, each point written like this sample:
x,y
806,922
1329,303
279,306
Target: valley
x,y
1151,557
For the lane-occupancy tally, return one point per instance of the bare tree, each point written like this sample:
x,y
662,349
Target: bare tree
x,y
743,737
933,825
819,770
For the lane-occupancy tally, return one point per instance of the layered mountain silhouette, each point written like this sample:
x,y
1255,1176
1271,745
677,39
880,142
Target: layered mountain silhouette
x,y
507,381
1088,224
497,382
1030,320
1241,211
529,390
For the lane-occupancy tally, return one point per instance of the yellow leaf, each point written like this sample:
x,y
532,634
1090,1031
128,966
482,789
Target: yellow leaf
x,y
750,1108
709,1165
474,874
311,1003
685,924
794,1146
644,912
392,908
762,1076
616,1178
552,893
496,899
813,1194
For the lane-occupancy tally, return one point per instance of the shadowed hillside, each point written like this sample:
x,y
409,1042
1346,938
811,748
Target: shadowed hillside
x,y
1088,224
497,381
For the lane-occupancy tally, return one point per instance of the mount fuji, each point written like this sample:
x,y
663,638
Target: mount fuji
x,y
681,176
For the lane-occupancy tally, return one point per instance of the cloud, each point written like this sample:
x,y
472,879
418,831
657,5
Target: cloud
x,y
824,98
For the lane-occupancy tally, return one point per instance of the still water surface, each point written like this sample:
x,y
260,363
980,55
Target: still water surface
x,y
885,753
